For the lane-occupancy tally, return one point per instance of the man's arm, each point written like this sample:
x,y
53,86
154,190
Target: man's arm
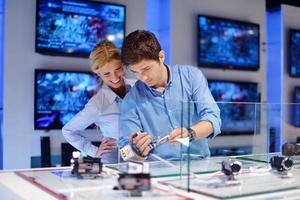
x,y
206,108
130,126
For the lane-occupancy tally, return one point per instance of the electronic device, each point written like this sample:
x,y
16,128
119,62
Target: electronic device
x,y
281,163
289,149
238,102
59,95
294,53
45,151
226,43
231,168
85,167
67,151
132,153
135,183
74,27
295,108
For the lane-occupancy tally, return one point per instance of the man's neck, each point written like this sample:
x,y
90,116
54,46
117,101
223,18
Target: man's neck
x,y
165,77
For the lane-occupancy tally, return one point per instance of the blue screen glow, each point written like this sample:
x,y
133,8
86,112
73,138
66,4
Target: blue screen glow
x,y
238,116
226,43
294,54
59,95
74,27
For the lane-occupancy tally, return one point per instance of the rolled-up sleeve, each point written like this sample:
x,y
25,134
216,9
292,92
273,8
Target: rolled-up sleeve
x,y
73,130
207,109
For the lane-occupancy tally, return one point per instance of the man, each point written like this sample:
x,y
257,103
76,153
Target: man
x,y
166,100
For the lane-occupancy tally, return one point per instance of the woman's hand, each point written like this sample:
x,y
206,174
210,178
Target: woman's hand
x,y
107,144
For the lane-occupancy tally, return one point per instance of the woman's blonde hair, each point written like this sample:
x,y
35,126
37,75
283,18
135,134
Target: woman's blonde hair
x,y
103,52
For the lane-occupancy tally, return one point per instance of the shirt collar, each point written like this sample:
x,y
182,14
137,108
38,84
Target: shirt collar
x,y
110,95
170,75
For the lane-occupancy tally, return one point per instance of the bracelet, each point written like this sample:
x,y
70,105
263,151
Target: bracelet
x,y
191,134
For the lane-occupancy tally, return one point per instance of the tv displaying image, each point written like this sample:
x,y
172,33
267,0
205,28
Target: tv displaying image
x,y
228,44
74,27
294,53
296,108
59,95
240,113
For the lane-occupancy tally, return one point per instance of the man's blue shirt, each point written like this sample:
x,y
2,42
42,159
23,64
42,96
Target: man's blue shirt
x,y
185,101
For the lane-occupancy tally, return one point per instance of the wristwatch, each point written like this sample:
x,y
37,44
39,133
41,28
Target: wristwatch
x,y
192,134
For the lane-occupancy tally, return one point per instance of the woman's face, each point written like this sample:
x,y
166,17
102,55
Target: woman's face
x,y
112,74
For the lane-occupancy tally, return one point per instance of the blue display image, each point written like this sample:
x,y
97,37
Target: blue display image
x,y
74,27
59,95
224,43
294,53
238,104
296,108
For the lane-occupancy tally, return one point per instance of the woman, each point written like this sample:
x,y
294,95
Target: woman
x,y
103,108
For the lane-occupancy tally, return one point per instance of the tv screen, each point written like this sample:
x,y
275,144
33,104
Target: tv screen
x,y
237,102
224,43
59,95
294,53
74,27
296,108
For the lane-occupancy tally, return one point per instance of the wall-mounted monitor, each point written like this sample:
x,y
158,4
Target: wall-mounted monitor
x,y
238,102
74,27
227,44
294,53
59,95
296,107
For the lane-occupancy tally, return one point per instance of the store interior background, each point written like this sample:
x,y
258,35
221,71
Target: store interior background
x,y
174,22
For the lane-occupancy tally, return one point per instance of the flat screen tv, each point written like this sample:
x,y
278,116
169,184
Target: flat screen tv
x,y
238,104
227,44
59,95
74,27
294,53
296,107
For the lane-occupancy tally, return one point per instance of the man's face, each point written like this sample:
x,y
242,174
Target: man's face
x,y
112,74
148,71
151,72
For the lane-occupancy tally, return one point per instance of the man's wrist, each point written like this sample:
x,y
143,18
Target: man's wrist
x,y
191,134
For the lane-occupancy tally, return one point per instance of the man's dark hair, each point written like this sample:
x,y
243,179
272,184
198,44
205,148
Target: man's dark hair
x,y
140,45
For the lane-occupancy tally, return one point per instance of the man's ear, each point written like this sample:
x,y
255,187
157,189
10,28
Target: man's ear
x,y
161,56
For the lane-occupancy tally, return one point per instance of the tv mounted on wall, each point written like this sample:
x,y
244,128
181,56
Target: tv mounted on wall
x,y
74,27
59,95
294,53
238,104
296,107
228,44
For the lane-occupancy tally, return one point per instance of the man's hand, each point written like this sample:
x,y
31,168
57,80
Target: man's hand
x,y
178,133
141,141
107,144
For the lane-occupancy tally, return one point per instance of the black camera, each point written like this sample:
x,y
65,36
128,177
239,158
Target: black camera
x,y
85,167
231,167
135,183
281,163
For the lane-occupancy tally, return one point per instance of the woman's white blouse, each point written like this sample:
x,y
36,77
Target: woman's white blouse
x,y
103,110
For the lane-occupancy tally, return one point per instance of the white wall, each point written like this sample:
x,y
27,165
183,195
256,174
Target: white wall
x,y
184,45
20,139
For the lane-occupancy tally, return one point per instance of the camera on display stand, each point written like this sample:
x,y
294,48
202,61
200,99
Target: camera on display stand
x,y
85,167
136,179
231,168
281,165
